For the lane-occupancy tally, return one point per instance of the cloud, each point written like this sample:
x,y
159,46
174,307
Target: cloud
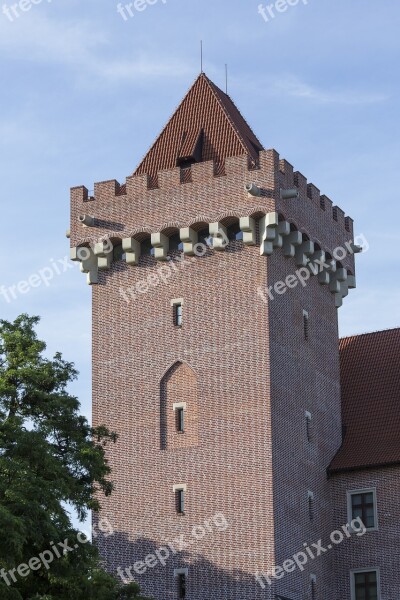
x,y
142,68
291,86
81,47
36,37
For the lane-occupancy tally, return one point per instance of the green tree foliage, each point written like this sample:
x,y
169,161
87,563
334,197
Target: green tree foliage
x,y
50,458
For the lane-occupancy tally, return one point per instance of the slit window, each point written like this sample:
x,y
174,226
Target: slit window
x,y
180,501
177,308
308,426
180,420
306,325
178,315
311,506
313,582
181,586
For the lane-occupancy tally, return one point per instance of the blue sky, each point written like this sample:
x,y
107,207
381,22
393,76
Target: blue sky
x,y
84,93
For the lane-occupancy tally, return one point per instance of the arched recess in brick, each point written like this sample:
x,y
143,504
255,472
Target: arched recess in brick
x,y
179,390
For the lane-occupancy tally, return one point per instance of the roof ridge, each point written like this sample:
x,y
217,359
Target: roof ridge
x,y
214,85
356,335
227,133
213,88
168,121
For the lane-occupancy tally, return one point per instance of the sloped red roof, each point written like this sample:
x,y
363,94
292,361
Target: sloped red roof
x,y
370,379
206,126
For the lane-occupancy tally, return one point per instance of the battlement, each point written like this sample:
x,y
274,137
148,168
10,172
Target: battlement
x,y
271,174
281,210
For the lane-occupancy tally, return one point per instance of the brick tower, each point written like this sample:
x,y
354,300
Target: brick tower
x,y
217,273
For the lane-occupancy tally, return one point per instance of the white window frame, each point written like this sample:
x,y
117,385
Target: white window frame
x,y
183,571
180,406
180,487
369,570
351,493
175,303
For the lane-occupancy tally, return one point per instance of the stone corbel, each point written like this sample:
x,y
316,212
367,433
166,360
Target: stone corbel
x,y
303,252
268,232
317,262
189,238
290,243
160,243
104,252
248,227
345,286
282,231
219,236
328,273
132,249
324,277
89,263
338,300
337,279
351,282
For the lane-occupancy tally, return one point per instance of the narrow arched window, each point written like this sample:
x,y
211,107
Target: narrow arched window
x,y
178,408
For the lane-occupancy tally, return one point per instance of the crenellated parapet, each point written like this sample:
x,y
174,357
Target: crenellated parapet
x,y
275,207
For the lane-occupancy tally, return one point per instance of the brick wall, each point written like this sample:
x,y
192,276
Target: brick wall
x,y
246,372
304,378
376,549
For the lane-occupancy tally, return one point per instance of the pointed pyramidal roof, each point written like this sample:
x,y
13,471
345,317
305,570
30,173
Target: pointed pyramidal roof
x,y
206,126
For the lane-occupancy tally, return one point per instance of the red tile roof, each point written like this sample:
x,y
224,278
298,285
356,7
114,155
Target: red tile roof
x,y
206,126
370,379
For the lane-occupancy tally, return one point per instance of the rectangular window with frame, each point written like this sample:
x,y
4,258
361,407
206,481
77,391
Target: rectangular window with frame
x,y
178,315
177,307
180,420
365,585
180,501
181,586
362,505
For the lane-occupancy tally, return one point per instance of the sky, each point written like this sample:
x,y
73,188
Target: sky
x,y
85,90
